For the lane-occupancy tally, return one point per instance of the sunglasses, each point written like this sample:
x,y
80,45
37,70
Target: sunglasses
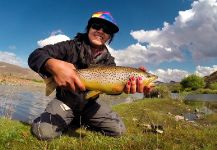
x,y
104,27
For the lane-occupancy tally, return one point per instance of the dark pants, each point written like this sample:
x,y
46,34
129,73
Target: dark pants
x,y
58,117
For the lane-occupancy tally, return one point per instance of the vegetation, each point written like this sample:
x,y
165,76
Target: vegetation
x,y
174,87
137,115
213,86
192,82
163,90
195,84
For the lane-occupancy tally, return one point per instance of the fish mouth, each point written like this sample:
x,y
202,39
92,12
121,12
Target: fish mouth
x,y
151,79
155,77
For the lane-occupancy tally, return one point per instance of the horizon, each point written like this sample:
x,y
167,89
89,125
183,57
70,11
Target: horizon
x,y
171,39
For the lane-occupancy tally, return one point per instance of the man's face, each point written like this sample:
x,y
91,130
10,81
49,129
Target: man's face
x,y
99,34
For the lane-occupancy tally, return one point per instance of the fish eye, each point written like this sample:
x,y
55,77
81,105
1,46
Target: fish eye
x,y
148,75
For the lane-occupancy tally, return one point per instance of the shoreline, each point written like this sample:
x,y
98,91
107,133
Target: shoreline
x,y
18,81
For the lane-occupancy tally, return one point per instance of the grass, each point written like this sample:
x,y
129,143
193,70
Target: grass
x,y
177,134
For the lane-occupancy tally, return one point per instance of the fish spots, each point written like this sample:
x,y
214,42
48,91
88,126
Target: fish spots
x,y
111,79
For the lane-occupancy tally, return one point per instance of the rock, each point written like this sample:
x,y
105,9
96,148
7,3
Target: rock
x,y
178,118
159,131
169,113
135,119
153,128
196,110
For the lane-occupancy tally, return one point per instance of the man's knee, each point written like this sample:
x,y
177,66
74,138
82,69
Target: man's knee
x,y
45,131
113,125
115,129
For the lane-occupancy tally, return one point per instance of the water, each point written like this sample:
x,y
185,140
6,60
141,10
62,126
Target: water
x,y
195,97
205,104
115,99
22,103
202,97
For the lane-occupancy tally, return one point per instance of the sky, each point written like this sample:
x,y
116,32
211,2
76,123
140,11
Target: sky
x,y
171,38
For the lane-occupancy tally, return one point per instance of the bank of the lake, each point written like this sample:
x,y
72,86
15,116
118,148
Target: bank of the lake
x,y
177,134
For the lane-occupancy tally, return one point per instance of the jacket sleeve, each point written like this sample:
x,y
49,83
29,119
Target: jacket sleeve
x,y
60,51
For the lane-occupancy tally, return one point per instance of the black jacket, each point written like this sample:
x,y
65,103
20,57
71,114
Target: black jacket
x,y
75,51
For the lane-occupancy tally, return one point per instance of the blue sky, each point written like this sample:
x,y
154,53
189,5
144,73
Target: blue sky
x,y
172,38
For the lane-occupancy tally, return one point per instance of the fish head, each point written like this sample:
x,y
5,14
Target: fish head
x,y
149,78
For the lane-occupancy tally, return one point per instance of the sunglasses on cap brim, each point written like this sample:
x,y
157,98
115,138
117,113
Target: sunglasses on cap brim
x,y
105,28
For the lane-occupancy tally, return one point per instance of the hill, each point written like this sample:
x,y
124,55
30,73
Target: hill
x,y
10,73
211,78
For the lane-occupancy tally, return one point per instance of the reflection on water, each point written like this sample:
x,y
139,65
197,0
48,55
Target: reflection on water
x,y
202,97
205,107
202,108
204,104
195,97
112,100
22,102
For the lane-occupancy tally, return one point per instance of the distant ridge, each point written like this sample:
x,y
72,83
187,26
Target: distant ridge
x,y
7,69
211,78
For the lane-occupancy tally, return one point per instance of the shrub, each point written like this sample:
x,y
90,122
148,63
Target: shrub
x,y
213,86
163,90
175,88
192,82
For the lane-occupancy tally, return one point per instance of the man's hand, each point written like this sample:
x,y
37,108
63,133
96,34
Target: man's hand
x,y
64,74
136,85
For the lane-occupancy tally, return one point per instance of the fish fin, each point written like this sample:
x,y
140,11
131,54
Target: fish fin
x,y
92,94
50,85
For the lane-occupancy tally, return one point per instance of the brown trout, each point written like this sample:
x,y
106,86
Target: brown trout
x,y
106,79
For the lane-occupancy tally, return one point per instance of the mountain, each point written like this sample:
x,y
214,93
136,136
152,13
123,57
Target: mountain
x,y
211,78
11,70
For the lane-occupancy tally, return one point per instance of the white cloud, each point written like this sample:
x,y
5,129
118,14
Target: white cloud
x,y
139,55
56,32
204,71
132,55
177,75
185,16
10,58
194,30
170,75
53,39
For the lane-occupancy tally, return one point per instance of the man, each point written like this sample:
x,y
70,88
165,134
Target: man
x,y
60,61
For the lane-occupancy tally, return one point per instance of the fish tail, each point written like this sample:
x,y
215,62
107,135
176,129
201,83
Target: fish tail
x,y
50,85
